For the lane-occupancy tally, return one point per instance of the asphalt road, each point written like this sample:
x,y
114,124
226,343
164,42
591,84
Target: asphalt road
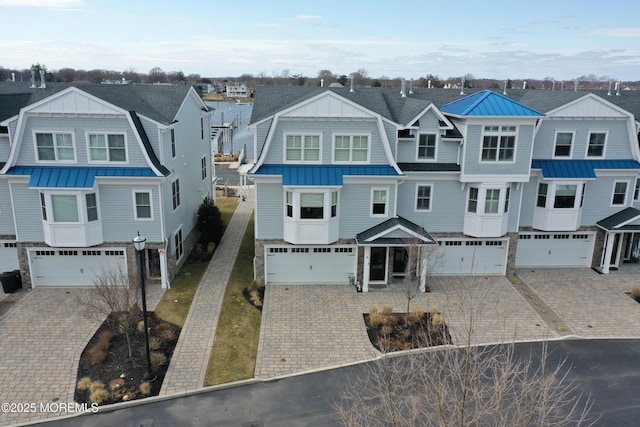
x,y
605,369
226,175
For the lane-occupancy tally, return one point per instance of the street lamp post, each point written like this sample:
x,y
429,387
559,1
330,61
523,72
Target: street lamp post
x,y
138,243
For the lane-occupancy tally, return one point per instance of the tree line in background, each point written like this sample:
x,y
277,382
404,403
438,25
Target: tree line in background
x,y
324,77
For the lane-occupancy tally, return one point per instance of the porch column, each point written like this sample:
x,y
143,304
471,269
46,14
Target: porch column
x,y
422,259
366,268
164,273
606,262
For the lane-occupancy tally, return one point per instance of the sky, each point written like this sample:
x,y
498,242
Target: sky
x,y
559,39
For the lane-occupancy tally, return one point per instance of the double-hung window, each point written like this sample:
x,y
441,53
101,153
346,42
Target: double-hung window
x,y
311,205
619,196
351,148
565,197
107,148
175,193
597,141
289,203
203,168
379,202
302,148
55,147
334,204
498,144
542,195
177,242
173,143
427,146
143,204
563,144
92,207
472,205
491,201
423,198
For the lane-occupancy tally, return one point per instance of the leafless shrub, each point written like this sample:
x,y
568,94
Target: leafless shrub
x,y
113,294
154,343
168,334
387,309
157,359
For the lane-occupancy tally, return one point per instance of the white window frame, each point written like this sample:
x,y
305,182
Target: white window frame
x,y
97,206
178,246
604,145
418,186
555,144
477,200
626,193
106,148
500,133
350,160
203,168
135,204
636,190
174,203
435,147
303,137
172,138
55,146
386,202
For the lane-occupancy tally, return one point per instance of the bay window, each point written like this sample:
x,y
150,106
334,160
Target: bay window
x,y
558,205
310,215
487,210
70,218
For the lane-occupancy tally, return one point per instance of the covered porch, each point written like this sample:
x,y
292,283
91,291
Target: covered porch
x,y
393,250
621,249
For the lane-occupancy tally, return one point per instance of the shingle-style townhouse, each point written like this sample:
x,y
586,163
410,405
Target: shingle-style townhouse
x,y
347,179
84,168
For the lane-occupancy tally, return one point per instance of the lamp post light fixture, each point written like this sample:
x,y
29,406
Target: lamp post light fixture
x,y
138,243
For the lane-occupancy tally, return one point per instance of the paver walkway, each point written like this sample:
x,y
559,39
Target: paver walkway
x,y
190,358
41,339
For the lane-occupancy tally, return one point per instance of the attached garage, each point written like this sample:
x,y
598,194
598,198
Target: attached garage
x,y
73,267
472,256
555,249
309,265
8,256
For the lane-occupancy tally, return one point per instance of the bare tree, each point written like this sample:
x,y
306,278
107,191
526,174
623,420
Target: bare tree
x,y
466,385
115,298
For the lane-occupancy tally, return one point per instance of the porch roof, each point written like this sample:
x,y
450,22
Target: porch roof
x,y
324,175
579,169
621,221
396,231
74,176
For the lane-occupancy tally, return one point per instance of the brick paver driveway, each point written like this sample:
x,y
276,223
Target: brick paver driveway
x,y
41,339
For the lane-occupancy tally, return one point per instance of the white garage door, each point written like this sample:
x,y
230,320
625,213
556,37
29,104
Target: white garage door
x,y
8,256
307,265
472,256
554,249
73,267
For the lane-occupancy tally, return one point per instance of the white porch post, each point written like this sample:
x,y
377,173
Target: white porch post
x,y
423,271
606,262
366,267
164,273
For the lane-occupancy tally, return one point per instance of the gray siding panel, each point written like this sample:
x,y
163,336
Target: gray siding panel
x,y
355,208
6,212
447,205
28,214
119,225
270,211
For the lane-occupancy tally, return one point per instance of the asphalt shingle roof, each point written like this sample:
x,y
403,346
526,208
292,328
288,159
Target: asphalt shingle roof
x,y
616,220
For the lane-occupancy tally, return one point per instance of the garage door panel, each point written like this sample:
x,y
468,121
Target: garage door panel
x,y
554,250
469,257
70,267
8,256
310,265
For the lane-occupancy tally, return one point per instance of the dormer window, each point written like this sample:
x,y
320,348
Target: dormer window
x,y
107,148
427,146
563,144
302,148
55,147
405,133
597,142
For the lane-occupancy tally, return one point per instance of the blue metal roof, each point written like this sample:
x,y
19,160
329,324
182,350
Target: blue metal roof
x,y
325,175
73,176
581,169
488,103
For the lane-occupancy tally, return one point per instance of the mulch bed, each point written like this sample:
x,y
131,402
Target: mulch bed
x,y
118,368
393,333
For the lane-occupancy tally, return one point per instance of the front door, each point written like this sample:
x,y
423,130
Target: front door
x,y
378,269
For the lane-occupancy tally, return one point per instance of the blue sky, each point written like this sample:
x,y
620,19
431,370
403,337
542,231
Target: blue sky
x,y
562,39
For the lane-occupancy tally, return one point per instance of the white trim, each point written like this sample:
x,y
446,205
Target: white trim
x,y
135,204
106,140
555,142
55,147
604,146
386,205
626,193
415,199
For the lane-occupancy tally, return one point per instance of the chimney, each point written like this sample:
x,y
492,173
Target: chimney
x,y
462,87
411,87
619,84
43,85
504,90
33,79
352,89
403,89
13,77
321,82
429,84
524,85
553,85
575,85
609,92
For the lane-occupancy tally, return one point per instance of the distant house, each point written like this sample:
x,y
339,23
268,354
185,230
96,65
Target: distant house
x,y
84,168
237,90
348,182
206,87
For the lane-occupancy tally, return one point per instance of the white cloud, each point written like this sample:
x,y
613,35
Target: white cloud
x,y
615,31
